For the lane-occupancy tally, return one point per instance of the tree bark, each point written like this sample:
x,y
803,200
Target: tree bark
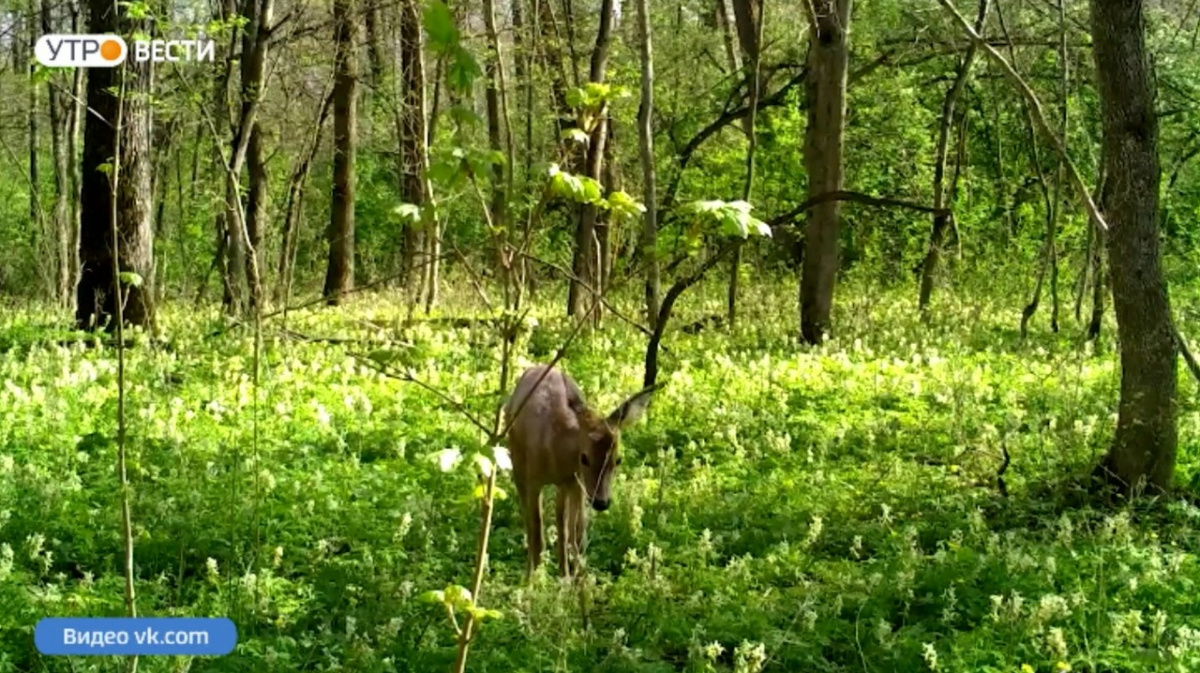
x,y
411,132
649,242
256,211
748,17
587,263
825,90
64,235
339,277
1142,455
732,54
97,289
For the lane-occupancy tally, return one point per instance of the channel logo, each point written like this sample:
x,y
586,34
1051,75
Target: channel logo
x,y
110,51
80,51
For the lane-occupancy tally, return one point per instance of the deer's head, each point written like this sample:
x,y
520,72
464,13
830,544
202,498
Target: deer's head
x,y
600,451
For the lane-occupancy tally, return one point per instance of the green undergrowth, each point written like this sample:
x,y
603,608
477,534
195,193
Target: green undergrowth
x,y
781,508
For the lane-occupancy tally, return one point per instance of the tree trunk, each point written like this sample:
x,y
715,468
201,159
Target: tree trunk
x,y
96,293
64,237
243,222
499,132
74,170
1143,451
825,90
649,242
555,62
942,218
749,20
36,220
411,132
295,203
339,277
587,262
721,12
256,212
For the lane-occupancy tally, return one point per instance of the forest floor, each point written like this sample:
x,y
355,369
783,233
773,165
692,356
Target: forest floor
x,y
829,509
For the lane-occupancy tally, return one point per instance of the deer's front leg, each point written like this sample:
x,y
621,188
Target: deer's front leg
x,y
564,534
574,504
531,514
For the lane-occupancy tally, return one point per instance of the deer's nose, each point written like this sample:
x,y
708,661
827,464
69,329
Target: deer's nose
x,y
600,505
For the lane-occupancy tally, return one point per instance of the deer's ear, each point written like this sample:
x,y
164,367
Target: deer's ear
x,y
632,409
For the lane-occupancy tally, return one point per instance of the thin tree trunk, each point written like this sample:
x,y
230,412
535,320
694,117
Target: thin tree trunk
x,y
411,133
749,19
256,211
941,219
339,277
823,136
732,54
500,135
61,223
295,202
36,220
649,242
1143,449
587,264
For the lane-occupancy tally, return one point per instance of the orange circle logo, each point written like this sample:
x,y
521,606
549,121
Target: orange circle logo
x,y
110,50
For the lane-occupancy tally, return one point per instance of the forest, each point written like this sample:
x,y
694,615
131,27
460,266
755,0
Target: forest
x,y
877,318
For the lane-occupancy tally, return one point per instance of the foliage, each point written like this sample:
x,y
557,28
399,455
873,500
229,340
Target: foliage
x,y
802,509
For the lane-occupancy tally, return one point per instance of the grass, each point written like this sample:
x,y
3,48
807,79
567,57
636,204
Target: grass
x,y
781,508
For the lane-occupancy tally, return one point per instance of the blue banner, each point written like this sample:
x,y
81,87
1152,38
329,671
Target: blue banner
x,y
189,636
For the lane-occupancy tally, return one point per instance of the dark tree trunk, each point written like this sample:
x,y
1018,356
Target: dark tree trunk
x,y
587,258
649,239
1143,450
339,277
411,131
825,89
256,210
96,292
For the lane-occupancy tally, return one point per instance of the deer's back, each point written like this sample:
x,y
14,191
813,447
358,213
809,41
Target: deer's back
x,y
544,437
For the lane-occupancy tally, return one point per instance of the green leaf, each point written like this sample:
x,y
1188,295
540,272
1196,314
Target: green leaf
x,y
464,115
440,27
733,218
576,98
433,596
623,206
462,70
481,490
384,356
459,597
592,191
131,278
483,614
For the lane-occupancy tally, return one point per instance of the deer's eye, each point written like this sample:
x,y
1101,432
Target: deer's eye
x,y
583,459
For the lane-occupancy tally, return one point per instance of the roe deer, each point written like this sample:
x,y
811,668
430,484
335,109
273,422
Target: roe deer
x,y
557,439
